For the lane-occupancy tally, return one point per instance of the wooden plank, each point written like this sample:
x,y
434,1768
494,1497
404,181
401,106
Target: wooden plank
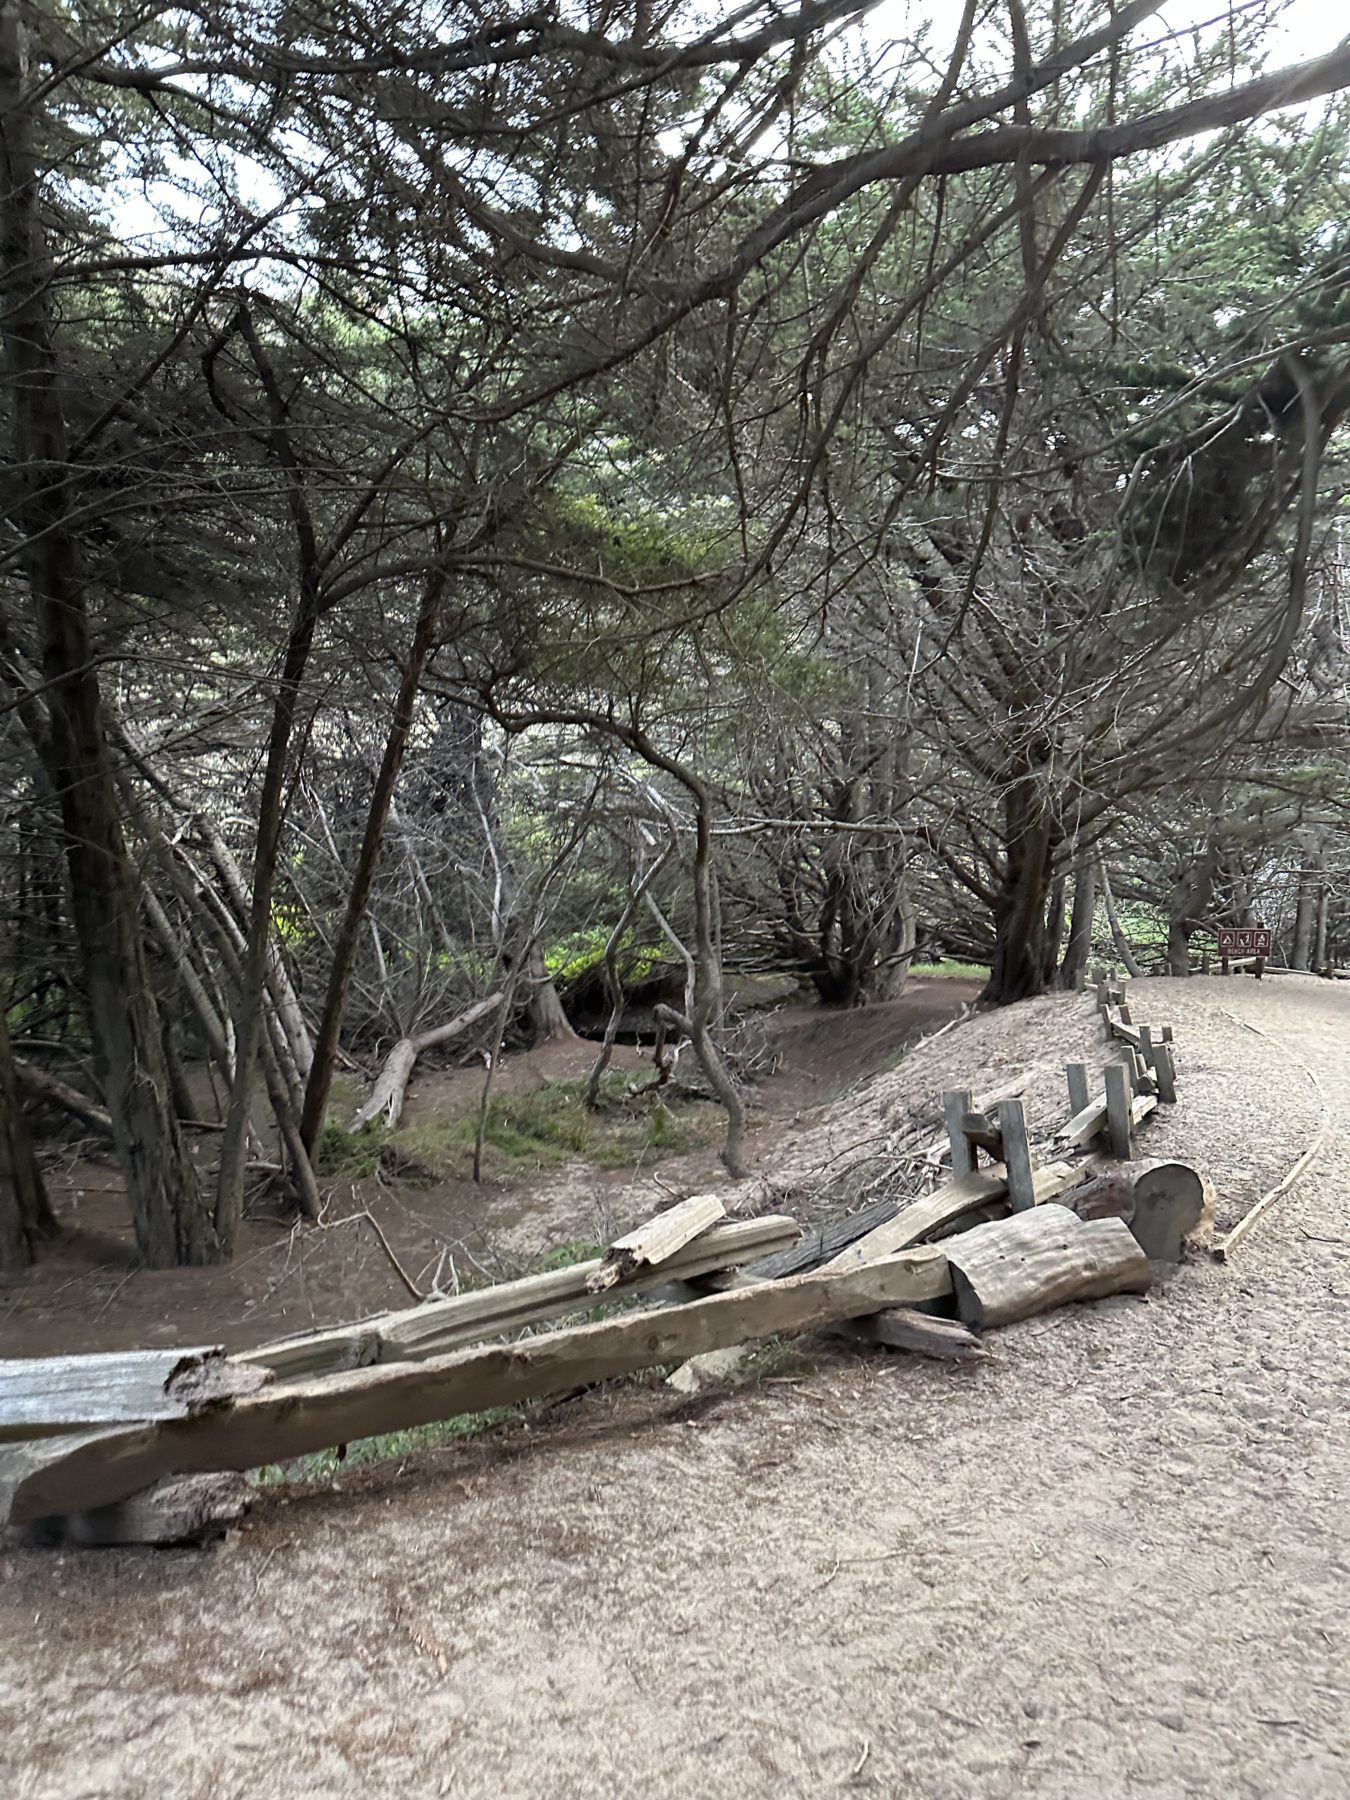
x,y
982,1106
1012,1123
1085,1126
286,1421
41,1395
439,1326
816,1246
1119,1122
901,1328
656,1241
982,1132
949,1203
1027,1264
956,1103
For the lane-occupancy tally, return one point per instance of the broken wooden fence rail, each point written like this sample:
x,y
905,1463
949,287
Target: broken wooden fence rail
x,y
438,1326
655,1241
286,1420
43,1396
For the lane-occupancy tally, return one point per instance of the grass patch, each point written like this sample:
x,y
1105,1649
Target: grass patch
x,y
964,971
323,1465
354,1153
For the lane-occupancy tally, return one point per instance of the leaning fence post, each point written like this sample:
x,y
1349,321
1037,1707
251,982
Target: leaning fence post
x,y
1119,1119
956,1103
1165,1073
1012,1125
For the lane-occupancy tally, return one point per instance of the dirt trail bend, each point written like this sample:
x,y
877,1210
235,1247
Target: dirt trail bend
x,y
1113,1561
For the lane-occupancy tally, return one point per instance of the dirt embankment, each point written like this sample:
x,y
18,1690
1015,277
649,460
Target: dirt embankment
x,y
87,1295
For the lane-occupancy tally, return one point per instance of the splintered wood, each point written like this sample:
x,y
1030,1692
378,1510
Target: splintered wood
x,y
43,1395
656,1241
438,1326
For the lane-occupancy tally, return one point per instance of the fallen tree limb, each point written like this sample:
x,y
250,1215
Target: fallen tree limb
x,y
391,1085
282,1422
438,1326
1226,1246
656,1241
1039,1259
43,1086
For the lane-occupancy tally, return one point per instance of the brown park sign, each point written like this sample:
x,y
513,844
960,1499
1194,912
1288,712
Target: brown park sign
x,y
1244,940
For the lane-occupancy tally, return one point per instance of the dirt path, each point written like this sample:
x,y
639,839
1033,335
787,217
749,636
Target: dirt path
x,y
1114,1561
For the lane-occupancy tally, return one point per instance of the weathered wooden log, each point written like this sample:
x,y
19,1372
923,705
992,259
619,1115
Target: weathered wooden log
x,y
391,1086
44,1395
438,1326
1169,1207
1164,1203
1014,1268
73,1474
184,1509
656,1241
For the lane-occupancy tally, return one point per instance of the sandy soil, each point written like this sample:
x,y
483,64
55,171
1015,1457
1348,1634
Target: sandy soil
x,y
1112,1561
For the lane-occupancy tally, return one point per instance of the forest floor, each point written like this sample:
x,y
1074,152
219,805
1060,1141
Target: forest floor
x,y
1111,1560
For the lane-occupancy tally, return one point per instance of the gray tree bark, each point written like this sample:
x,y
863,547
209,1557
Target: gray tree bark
x,y
170,1220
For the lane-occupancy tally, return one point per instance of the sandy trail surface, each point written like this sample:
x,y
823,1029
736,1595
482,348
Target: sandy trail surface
x,y
1113,1560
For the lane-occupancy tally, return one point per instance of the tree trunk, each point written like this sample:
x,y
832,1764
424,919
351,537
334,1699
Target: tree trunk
x,y
170,1221
1305,914
1022,900
1054,928
1190,896
1118,937
1079,947
548,1021
1320,930
253,984
363,876
25,1214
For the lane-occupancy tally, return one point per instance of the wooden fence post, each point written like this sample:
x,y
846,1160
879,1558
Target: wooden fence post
x,y
1118,1118
1012,1125
1079,1095
956,1103
1165,1073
